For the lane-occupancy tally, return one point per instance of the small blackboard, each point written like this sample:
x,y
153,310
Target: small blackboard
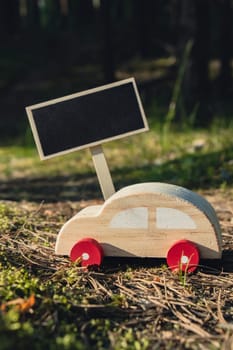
x,y
87,119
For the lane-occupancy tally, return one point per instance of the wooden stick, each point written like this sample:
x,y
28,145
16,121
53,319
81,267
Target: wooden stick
x,y
102,171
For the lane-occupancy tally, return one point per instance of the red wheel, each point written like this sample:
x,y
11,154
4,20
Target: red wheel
x,y
89,251
184,256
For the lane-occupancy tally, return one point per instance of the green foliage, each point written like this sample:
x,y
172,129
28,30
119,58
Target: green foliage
x,y
14,332
194,159
16,282
130,340
10,218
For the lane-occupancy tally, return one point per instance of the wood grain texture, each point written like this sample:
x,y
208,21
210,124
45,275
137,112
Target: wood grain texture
x,y
119,239
102,171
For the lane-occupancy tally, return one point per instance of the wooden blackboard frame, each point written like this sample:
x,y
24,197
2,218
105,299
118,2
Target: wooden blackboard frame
x,y
31,109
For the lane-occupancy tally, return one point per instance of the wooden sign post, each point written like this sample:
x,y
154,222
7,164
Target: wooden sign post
x,y
102,171
86,120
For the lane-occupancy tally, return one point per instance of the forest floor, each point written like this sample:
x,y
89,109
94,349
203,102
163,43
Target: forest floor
x,y
46,301
125,304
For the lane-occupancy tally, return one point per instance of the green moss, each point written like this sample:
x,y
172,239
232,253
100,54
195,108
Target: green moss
x,y
11,217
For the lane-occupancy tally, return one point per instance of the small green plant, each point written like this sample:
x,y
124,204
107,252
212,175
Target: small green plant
x,y
183,274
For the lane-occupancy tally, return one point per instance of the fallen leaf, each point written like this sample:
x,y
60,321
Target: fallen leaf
x,y
20,304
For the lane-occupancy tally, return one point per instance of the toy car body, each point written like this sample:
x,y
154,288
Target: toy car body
x,y
146,220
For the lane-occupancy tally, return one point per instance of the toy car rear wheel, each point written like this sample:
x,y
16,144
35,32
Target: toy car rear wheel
x,y
183,256
89,251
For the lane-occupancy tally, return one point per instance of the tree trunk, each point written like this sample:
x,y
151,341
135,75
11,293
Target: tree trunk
x,y
9,17
108,38
33,15
145,13
226,48
201,58
201,47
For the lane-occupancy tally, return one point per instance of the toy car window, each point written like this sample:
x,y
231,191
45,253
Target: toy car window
x,y
170,218
131,218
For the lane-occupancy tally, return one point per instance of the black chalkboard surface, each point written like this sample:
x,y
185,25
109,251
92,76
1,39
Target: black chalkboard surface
x,y
87,119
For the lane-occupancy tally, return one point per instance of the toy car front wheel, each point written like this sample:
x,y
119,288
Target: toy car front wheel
x,y
89,251
183,256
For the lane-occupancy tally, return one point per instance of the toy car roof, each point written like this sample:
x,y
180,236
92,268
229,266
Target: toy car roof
x,y
170,190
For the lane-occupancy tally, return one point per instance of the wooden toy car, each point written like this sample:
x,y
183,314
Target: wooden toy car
x,y
144,220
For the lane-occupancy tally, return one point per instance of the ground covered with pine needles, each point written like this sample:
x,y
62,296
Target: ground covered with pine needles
x,y
49,302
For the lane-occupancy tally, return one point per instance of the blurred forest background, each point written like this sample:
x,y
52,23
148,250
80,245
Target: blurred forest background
x,y
179,51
